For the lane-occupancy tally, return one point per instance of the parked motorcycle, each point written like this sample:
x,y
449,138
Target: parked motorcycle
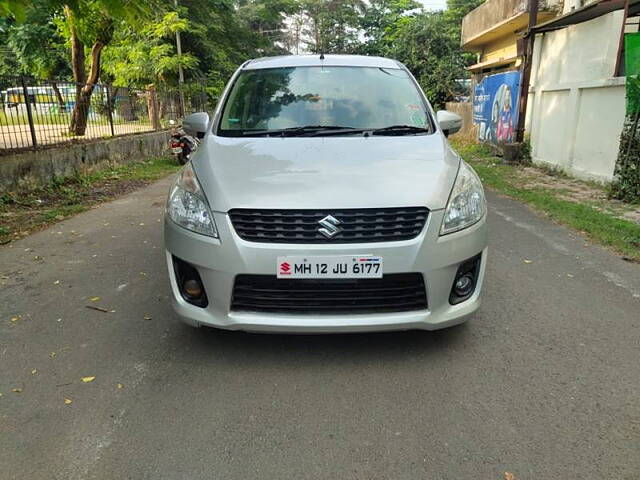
x,y
181,145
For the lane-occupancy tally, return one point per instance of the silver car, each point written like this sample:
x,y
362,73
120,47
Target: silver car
x,y
325,197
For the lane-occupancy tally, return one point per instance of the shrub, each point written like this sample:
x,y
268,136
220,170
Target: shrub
x,y
626,182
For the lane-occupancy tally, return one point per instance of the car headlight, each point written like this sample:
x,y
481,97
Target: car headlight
x,y
187,205
466,203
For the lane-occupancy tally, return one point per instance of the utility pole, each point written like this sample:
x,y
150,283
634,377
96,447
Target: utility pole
x,y
180,72
619,59
529,38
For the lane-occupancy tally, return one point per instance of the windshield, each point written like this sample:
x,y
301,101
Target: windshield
x,y
349,97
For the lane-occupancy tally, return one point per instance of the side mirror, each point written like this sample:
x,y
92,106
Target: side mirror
x,y
196,124
449,122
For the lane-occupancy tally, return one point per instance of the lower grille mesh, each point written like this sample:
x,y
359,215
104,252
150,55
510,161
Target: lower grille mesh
x,y
392,293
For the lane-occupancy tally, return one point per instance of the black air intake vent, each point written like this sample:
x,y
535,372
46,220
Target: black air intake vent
x,y
399,292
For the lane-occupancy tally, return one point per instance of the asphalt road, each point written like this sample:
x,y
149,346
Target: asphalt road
x,y
544,382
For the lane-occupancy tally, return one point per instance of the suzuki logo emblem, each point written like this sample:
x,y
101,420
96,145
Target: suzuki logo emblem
x,y
285,268
329,226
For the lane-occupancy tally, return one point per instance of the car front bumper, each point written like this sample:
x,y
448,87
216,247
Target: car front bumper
x,y
218,261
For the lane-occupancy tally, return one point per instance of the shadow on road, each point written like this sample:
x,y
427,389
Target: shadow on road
x,y
214,345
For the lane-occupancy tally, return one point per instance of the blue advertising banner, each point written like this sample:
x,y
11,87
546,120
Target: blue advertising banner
x,y
495,107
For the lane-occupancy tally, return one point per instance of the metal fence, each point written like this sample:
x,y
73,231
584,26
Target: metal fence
x,y
35,113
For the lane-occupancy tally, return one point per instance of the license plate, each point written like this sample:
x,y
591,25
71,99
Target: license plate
x,y
342,266
176,149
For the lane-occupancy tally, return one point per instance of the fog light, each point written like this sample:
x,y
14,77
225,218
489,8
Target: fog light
x,y
464,285
190,283
192,288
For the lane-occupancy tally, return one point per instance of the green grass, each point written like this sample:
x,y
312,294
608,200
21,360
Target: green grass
x,y
11,117
52,215
27,211
63,119
601,226
149,170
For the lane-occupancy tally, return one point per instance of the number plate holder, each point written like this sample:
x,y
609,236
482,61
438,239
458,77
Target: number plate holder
x,y
336,266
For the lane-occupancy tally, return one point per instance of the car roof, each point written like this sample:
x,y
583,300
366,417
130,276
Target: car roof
x,y
315,60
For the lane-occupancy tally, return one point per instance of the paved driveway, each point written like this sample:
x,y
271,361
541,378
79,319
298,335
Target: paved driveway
x,y
543,383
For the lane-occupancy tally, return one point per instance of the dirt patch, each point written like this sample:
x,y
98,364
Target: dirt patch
x,y
26,215
577,191
581,205
23,213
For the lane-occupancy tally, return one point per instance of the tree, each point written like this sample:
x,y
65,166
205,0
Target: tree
x,y
37,47
292,38
424,46
218,35
13,8
8,62
266,20
333,25
456,11
86,22
381,22
428,43
130,43
147,55
39,50
93,22
222,34
218,38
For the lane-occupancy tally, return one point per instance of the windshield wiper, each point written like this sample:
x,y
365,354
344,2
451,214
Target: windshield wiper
x,y
317,130
400,129
297,131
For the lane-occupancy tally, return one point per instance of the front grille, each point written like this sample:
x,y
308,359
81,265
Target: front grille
x,y
301,226
398,292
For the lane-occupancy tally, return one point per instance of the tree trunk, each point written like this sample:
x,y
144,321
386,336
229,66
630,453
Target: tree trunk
x,y
78,69
316,34
80,113
59,98
77,52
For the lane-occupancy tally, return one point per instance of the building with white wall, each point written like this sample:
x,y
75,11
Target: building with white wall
x,y
576,103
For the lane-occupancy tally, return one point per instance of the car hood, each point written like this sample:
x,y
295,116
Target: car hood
x,y
326,172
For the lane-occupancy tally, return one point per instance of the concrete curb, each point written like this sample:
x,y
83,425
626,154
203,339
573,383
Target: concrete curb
x,y
27,169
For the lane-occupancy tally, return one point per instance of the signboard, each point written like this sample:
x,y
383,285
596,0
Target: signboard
x,y
495,107
632,69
